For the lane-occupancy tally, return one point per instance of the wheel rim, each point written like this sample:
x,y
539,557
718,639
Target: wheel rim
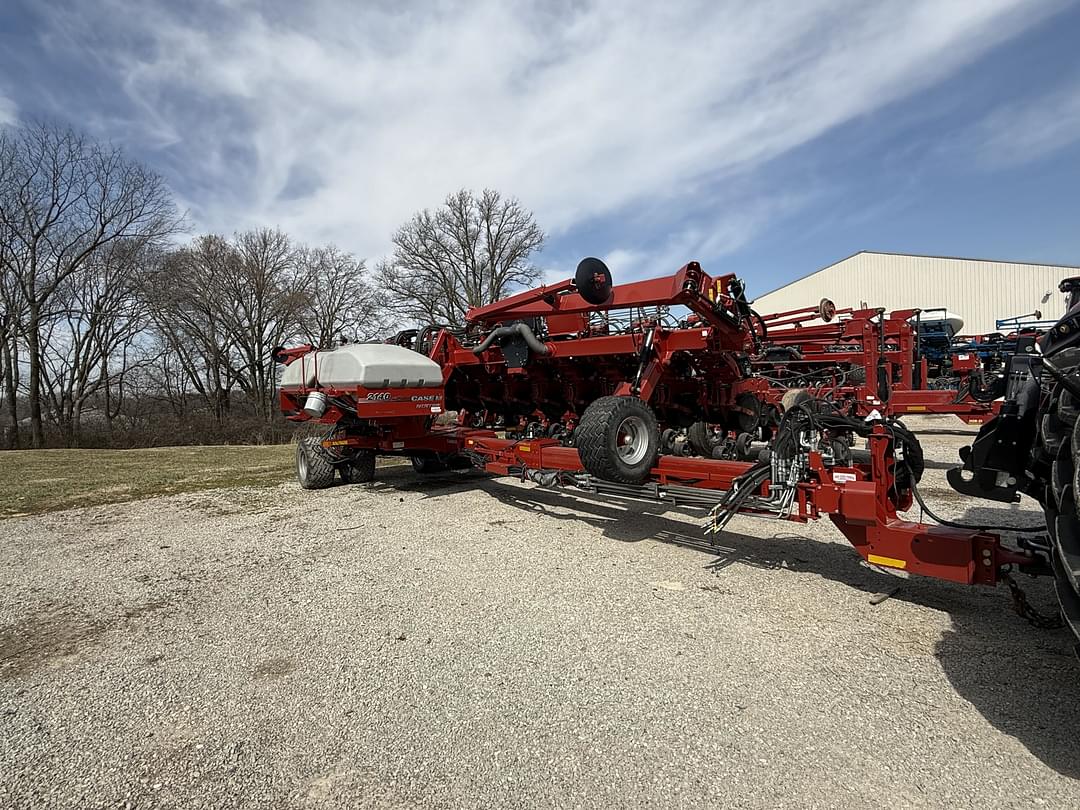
x,y
632,440
301,464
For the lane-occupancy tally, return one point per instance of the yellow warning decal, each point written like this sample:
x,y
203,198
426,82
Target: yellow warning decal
x,y
524,448
916,407
891,562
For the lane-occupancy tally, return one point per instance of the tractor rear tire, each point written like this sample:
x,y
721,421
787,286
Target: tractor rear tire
x,y
313,468
618,439
360,469
1059,431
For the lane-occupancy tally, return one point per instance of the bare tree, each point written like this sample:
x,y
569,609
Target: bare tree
x,y
96,316
12,311
339,301
62,198
10,318
90,335
470,252
165,377
192,326
220,307
266,293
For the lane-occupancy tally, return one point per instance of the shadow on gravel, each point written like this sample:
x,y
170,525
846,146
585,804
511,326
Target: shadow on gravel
x,y
404,479
1024,681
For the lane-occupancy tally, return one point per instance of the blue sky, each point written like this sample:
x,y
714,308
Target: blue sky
x,y
766,138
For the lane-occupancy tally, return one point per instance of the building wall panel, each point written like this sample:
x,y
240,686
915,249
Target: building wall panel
x,y
979,291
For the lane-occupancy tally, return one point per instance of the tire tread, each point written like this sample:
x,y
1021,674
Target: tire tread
x,y
591,434
361,468
320,470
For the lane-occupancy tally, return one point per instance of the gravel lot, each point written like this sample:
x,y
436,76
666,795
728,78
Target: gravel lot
x,y
468,641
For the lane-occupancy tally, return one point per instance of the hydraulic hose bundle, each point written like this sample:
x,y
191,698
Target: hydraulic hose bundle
x,y
506,333
811,424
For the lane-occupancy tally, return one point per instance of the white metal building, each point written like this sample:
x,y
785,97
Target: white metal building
x,y
979,290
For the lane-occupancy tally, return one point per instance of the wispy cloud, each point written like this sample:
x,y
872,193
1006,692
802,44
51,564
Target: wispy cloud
x,y
337,121
726,225
8,110
1031,129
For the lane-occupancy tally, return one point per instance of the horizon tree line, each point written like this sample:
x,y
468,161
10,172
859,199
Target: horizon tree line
x,y
114,331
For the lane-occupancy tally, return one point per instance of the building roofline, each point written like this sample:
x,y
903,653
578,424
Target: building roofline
x,y
913,256
811,273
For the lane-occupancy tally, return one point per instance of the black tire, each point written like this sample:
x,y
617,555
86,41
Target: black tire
x,y
313,468
1060,434
748,414
700,438
427,465
608,427
360,469
1068,410
744,446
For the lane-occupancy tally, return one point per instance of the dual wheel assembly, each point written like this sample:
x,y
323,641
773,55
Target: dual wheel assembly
x,y
317,469
1059,431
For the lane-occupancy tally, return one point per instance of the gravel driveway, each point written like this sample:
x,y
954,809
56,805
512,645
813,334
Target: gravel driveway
x,y
463,641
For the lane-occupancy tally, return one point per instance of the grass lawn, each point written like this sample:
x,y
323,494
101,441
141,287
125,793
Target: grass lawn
x,y
35,481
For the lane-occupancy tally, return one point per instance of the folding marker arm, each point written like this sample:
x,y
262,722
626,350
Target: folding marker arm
x,y
708,297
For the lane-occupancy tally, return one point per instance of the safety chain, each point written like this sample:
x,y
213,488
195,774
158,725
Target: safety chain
x,y
1023,608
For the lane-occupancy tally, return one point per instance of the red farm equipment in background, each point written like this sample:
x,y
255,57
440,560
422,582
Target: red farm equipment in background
x,y
870,359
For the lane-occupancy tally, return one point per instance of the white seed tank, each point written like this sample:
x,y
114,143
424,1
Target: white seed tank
x,y
370,365
934,315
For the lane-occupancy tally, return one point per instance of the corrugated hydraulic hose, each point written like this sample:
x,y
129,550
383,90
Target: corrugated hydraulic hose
x,y
521,330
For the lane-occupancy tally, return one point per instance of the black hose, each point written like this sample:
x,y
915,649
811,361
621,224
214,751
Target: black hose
x,y
1069,385
742,487
724,513
912,455
761,323
956,525
521,330
493,335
